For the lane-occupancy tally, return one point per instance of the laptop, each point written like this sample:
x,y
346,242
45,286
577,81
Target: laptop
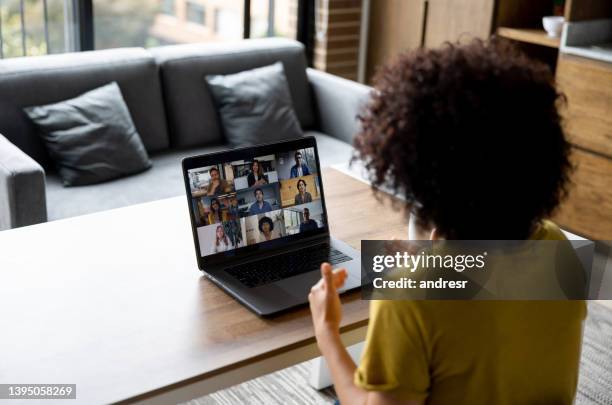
x,y
260,224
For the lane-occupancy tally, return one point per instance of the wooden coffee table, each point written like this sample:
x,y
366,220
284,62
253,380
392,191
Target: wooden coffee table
x,y
114,303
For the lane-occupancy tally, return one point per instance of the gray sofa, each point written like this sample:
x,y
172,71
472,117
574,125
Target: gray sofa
x,y
171,107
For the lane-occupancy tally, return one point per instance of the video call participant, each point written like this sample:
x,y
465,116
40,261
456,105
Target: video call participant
x,y
462,352
302,196
222,242
257,176
266,227
217,185
234,231
215,215
233,210
260,206
308,224
299,169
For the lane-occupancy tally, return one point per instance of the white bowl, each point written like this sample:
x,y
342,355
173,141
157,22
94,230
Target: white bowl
x,y
553,25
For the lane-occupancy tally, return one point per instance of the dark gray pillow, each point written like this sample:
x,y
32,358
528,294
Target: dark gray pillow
x,y
255,105
91,138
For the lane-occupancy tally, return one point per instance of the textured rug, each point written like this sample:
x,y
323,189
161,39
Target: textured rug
x,y
290,386
595,382
284,387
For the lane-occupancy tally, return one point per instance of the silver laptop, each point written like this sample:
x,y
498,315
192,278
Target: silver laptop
x,y
260,224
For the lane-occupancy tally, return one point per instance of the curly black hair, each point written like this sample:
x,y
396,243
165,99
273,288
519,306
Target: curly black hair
x,y
471,136
268,220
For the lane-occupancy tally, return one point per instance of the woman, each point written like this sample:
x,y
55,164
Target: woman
x,y
266,226
302,196
215,215
222,242
444,129
257,176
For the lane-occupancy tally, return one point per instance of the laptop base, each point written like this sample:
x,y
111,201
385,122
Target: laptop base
x,y
280,295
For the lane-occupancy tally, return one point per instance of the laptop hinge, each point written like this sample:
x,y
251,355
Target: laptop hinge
x,y
305,243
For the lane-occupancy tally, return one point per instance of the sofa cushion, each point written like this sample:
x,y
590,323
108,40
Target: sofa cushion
x,y
164,179
192,117
48,79
255,106
91,138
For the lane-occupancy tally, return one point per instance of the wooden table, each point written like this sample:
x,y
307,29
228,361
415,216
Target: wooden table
x,y
114,303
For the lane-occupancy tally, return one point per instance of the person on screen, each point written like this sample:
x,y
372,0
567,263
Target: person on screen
x,y
260,205
300,168
216,215
222,242
257,176
443,128
308,224
217,185
266,228
233,209
234,231
302,196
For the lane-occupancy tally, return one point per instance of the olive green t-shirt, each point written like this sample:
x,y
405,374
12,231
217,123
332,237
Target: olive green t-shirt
x,y
475,352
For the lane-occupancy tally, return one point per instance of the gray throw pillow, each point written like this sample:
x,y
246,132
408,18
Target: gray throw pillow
x,y
91,138
255,105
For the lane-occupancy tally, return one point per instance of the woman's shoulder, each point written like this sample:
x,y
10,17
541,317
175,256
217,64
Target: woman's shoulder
x,y
548,230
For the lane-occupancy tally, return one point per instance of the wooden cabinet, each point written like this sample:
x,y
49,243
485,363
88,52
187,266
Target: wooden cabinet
x,y
400,25
449,20
395,26
587,85
588,209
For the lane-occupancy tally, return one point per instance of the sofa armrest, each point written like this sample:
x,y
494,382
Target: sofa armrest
x,y
22,188
338,102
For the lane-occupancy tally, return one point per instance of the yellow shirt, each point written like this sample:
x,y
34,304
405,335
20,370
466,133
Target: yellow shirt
x,y
475,352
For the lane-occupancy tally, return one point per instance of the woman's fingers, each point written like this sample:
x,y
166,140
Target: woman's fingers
x,y
332,278
326,274
340,276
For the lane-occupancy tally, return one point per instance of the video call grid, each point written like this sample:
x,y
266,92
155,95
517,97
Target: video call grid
x,y
246,202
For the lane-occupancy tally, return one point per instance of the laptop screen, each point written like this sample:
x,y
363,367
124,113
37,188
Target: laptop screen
x,y
255,198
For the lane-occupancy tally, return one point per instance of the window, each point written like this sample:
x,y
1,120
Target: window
x,y
124,23
167,7
32,27
225,26
196,13
274,18
147,23
37,27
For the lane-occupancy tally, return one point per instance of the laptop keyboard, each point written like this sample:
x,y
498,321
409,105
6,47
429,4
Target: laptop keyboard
x,y
286,265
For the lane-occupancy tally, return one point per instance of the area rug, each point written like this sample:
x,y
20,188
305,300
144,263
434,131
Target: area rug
x,y
284,387
290,386
595,382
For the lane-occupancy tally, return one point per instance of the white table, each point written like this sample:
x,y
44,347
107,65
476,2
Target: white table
x,y
114,303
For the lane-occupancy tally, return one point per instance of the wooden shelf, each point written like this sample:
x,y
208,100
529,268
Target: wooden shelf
x,y
529,35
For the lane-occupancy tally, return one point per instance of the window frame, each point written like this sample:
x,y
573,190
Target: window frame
x,y
83,16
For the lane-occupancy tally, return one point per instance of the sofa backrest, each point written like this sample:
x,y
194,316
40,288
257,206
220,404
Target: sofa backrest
x,y
47,79
192,116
